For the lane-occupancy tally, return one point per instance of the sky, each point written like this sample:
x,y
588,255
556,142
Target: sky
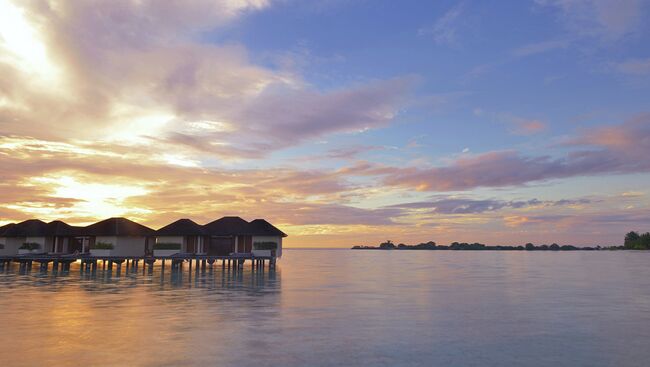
x,y
341,122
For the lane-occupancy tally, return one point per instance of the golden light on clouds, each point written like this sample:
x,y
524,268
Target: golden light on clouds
x,y
92,199
131,124
140,108
22,45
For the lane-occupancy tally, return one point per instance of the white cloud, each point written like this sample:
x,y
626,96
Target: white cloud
x,y
139,71
445,29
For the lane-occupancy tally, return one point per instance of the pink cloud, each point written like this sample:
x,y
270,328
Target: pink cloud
x,y
634,66
529,127
140,69
616,149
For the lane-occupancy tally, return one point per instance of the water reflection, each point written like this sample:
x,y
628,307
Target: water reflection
x,y
322,308
208,278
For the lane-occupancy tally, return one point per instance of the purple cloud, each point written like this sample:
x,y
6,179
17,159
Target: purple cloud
x,y
472,206
617,149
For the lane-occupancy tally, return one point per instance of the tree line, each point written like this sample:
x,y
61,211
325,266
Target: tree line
x,y
636,241
633,241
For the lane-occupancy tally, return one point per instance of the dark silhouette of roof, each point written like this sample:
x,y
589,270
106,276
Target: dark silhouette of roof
x,y
4,228
60,228
227,226
260,227
182,227
38,228
28,228
116,227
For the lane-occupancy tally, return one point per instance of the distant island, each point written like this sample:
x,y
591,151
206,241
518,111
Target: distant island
x,y
633,241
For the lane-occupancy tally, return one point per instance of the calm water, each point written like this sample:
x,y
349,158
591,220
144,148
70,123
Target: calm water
x,y
341,307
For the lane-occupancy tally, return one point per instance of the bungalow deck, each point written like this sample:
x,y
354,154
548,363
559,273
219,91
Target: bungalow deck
x,y
92,263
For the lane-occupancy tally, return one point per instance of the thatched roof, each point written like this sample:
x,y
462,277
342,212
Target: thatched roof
x,y
117,227
182,227
260,227
227,226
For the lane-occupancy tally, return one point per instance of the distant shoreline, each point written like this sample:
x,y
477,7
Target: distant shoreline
x,y
633,241
432,246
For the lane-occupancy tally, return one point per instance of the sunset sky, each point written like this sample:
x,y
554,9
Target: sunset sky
x,y
341,122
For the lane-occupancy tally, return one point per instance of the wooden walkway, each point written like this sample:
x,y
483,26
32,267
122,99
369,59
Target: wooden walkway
x,y
132,263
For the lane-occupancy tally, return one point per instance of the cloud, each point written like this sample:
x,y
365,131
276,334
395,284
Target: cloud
x,y
517,125
540,47
144,73
454,205
634,67
603,19
82,183
604,150
635,132
350,152
527,127
619,149
514,221
445,30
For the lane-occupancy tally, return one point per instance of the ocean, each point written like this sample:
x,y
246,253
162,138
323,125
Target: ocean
x,y
340,308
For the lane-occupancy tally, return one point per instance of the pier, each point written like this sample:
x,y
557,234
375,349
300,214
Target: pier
x,y
134,264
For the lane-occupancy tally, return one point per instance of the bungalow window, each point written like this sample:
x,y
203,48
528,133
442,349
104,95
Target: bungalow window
x,y
265,245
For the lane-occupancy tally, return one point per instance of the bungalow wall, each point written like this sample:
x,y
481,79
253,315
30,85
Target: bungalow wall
x,y
189,244
46,243
276,239
11,245
125,245
172,239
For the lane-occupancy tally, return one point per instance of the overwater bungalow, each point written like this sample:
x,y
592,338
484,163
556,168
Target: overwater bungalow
x,y
36,236
118,237
228,235
235,235
266,238
7,245
182,236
